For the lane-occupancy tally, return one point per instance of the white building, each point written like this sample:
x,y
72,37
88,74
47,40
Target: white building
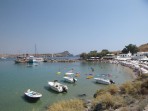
x,y
140,56
123,57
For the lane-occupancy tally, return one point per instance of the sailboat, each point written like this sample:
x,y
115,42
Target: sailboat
x,y
34,59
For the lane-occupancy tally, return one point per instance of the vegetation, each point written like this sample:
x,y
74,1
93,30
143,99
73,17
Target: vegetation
x,y
94,54
68,105
129,93
132,48
108,101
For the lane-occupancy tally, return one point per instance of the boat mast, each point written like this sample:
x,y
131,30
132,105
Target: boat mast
x,y
35,49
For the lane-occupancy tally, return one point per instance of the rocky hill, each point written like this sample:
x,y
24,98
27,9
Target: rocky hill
x,y
143,48
63,54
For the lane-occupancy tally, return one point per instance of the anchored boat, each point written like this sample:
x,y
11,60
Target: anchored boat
x,y
104,81
33,94
56,86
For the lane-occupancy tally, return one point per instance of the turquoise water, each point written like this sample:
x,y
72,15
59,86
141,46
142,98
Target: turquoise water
x,y
15,79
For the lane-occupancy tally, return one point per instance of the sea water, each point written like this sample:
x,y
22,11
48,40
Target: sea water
x,y
15,79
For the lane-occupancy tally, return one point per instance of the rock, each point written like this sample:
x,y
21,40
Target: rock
x,y
95,95
98,107
144,91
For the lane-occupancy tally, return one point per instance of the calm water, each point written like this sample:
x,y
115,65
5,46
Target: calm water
x,y
17,78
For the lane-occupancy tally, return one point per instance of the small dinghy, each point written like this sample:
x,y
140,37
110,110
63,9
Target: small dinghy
x,y
56,86
32,94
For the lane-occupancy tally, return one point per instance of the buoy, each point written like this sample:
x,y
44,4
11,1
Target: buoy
x,y
89,77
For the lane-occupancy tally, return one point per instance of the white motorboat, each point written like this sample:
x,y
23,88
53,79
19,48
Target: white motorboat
x,y
104,81
33,59
69,74
56,86
32,94
70,79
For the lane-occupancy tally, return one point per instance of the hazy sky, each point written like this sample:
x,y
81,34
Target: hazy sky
x,y
73,25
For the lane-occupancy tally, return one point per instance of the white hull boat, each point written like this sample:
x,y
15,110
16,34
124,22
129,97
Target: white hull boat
x,y
104,81
69,74
32,94
33,59
58,86
70,79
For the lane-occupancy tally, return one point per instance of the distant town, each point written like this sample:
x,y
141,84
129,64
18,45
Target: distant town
x,y
95,53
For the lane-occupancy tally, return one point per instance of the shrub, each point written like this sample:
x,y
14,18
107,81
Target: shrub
x,y
145,84
101,91
137,86
67,105
127,88
112,89
107,100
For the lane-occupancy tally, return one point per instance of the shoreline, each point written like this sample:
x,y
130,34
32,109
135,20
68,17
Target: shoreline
x,y
135,76
131,76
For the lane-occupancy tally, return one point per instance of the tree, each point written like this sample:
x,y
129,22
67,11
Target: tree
x,y
132,48
83,55
104,52
93,53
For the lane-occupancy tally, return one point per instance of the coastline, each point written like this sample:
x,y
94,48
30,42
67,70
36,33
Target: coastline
x,y
37,77
48,70
138,103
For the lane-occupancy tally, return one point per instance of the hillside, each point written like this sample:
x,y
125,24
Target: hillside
x,y
63,54
143,48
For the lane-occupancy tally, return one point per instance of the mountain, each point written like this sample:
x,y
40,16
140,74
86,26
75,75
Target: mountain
x,y
143,48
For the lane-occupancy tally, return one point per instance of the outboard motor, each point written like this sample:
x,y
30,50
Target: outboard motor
x,y
64,89
112,82
74,80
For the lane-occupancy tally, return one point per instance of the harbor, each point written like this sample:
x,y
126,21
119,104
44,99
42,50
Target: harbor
x,y
74,55
20,77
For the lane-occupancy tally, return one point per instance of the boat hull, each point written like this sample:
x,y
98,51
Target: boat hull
x,y
32,95
102,81
70,79
58,87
